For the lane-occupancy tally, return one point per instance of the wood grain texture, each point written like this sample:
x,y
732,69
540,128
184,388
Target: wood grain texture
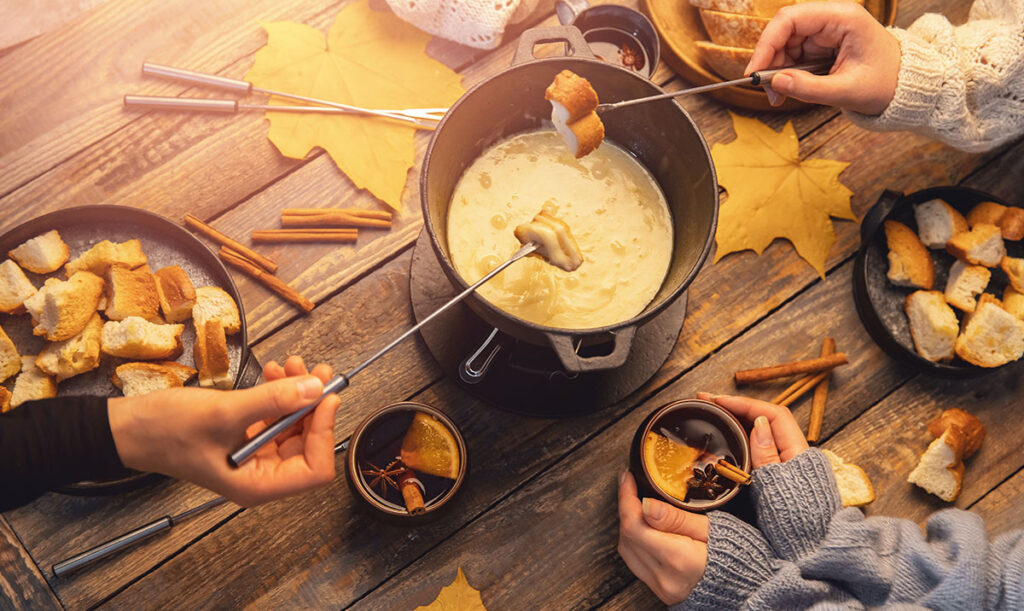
x,y
314,550
335,568
564,520
1000,508
887,440
62,91
21,584
319,270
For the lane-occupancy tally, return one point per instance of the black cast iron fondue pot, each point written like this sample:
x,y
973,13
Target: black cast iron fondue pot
x,y
660,134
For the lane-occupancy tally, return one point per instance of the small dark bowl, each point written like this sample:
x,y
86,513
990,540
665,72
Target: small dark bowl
x,y
736,437
369,502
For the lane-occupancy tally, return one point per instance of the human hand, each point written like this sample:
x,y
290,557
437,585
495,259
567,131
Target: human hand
x,y
776,437
187,433
863,78
664,546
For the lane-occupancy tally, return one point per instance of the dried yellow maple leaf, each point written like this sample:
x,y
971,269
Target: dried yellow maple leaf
x,y
457,596
773,194
370,59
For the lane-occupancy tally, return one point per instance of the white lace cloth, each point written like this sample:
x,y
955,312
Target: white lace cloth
x,y
964,84
476,23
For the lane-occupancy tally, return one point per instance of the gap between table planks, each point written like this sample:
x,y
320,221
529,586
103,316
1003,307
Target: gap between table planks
x,y
173,163
797,275
712,278
147,585
792,273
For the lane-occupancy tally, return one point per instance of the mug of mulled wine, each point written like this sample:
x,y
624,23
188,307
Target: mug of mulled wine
x,y
691,454
615,34
406,463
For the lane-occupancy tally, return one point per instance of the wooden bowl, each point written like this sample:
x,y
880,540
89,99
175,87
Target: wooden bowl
x,y
679,24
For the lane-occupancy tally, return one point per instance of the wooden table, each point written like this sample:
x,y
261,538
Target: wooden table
x,y
537,524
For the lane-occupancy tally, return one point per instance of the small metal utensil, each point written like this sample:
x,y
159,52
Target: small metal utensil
x,y
426,117
232,106
341,382
761,77
136,536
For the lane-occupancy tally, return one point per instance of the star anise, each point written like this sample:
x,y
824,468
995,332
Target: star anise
x,y
707,480
386,476
631,56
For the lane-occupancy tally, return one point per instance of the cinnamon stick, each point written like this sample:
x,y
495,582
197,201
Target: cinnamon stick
x,y
732,472
792,388
273,283
343,236
820,396
333,218
764,374
803,389
410,486
197,225
382,215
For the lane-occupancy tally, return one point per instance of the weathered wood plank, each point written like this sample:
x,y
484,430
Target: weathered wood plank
x,y
890,158
319,270
21,584
792,276
52,119
62,91
887,440
542,521
56,526
1001,507
343,562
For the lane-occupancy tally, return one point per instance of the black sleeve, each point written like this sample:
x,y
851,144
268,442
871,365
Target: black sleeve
x,y
52,442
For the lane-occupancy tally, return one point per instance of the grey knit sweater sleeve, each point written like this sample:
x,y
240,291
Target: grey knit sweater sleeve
x,y
818,556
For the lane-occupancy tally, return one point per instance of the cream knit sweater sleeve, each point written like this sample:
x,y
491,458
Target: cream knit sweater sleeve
x,y
963,85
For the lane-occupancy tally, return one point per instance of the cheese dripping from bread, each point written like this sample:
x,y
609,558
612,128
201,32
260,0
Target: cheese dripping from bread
x,y
574,112
553,239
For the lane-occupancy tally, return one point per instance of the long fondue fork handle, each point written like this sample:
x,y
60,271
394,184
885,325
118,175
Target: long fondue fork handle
x,y
757,78
341,382
134,537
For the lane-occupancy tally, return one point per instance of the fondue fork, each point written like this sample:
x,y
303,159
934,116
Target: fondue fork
x,y
341,382
761,77
140,534
425,117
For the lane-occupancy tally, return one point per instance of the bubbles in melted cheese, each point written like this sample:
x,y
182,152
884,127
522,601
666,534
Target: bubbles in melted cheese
x,y
613,206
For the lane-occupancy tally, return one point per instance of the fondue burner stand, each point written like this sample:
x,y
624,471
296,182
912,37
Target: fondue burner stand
x,y
525,378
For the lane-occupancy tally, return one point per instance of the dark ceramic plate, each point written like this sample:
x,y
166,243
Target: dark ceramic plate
x,y
880,303
165,243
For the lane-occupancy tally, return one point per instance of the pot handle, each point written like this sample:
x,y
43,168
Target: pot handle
x,y
570,35
873,220
574,363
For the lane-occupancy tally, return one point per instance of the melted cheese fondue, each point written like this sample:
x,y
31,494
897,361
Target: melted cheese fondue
x,y
612,205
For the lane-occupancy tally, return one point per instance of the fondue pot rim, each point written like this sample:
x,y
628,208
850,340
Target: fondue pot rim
x,y
449,267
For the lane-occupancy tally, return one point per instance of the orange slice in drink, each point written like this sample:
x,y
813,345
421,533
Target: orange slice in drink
x,y
669,464
429,447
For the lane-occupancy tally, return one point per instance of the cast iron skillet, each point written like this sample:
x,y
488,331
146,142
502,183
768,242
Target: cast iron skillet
x,y
165,243
880,303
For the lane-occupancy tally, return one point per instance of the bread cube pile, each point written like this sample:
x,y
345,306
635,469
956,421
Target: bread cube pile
x,y
990,331
108,303
734,27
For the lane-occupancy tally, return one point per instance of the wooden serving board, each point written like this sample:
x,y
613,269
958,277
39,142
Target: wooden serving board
x,y
679,25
